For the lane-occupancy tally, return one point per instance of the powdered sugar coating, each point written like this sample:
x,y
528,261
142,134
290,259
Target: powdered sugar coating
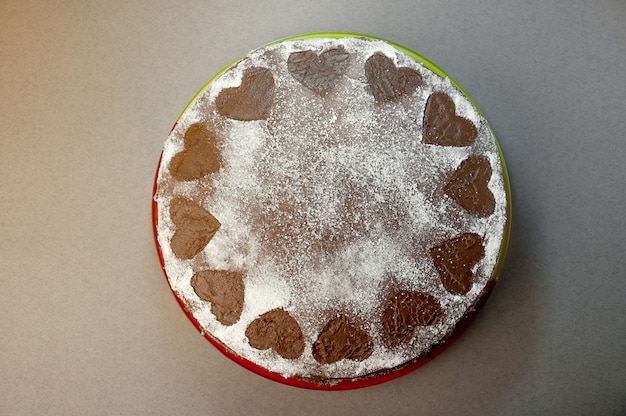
x,y
333,167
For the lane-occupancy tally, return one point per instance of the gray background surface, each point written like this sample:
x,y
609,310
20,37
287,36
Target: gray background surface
x,y
89,91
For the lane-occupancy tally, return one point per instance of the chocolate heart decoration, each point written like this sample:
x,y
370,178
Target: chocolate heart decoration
x,y
252,100
443,127
388,82
341,338
406,310
454,260
278,330
195,227
199,157
225,291
319,73
468,186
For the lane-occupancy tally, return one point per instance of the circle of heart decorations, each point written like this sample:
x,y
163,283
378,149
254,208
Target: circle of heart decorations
x,y
330,208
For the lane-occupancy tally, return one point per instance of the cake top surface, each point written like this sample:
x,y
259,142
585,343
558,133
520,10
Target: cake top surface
x,y
330,208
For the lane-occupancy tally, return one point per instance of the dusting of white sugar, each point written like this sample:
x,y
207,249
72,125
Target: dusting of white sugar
x,y
325,202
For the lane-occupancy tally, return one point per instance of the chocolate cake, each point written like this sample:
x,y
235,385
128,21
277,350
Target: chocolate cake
x,y
329,208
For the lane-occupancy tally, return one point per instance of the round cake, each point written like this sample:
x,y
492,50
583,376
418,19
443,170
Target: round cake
x,y
330,209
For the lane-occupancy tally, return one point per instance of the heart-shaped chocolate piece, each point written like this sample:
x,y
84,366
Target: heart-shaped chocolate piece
x,y
199,157
252,100
443,127
195,227
278,330
342,338
388,82
404,311
468,186
319,73
454,260
224,290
